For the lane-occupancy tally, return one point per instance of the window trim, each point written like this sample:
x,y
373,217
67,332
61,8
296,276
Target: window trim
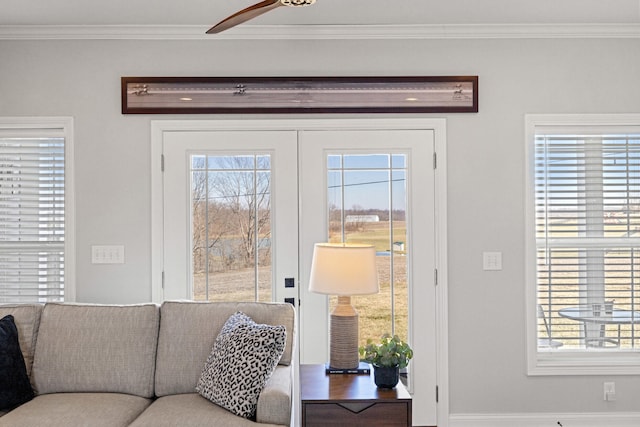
x,y
62,126
566,362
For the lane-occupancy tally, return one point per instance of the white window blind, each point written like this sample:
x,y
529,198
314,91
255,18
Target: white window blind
x,y
587,225
32,215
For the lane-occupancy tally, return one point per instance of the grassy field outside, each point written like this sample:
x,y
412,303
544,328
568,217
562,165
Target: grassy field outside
x,y
375,311
562,283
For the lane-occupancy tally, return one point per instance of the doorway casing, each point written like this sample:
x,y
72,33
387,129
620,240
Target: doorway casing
x,y
438,126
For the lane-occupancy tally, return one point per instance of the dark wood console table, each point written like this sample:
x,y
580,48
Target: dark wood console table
x,y
350,400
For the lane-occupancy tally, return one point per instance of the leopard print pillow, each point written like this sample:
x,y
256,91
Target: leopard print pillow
x,y
243,357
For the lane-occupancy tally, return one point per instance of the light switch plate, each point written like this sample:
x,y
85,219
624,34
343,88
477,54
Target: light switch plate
x,y
492,261
112,254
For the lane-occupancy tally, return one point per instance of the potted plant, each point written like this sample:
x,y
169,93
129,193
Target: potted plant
x,y
387,357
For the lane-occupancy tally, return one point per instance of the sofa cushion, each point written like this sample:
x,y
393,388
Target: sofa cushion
x,y
15,388
96,348
243,358
187,333
27,320
77,410
190,410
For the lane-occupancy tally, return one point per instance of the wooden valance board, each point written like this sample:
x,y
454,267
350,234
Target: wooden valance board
x,y
259,95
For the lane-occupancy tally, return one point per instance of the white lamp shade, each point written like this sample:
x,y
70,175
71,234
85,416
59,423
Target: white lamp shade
x,y
344,269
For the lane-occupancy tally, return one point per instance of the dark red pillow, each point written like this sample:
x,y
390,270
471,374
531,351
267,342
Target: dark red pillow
x,y
15,388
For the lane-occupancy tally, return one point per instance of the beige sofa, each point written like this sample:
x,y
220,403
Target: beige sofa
x,y
136,365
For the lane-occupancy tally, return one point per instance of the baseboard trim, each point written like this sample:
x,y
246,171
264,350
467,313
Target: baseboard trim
x,y
598,419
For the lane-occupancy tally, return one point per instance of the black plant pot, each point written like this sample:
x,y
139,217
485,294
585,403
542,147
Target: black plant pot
x,y
385,376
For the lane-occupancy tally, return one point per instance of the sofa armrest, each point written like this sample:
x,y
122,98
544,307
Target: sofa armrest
x,y
274,402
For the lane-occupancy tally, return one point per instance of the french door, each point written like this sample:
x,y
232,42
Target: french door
x,y
243,203
230,215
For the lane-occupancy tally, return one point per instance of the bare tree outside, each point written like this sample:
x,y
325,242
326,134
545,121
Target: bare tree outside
x,y
231,223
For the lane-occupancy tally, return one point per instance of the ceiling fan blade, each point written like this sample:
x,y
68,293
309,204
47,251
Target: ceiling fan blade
x,y
244,15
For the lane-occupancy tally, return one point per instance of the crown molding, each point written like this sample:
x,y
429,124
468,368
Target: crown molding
x,y
320,32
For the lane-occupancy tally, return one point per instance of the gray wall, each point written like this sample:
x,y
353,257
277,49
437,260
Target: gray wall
x,y
485,166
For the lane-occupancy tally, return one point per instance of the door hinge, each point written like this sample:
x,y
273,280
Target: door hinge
x,y
437,394
435,160
163,280
435,277
161,162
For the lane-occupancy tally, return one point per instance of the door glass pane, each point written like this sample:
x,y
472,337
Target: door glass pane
x,y
367,204
231,227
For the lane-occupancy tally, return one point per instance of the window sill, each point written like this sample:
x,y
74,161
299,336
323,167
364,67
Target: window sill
x,y
584,363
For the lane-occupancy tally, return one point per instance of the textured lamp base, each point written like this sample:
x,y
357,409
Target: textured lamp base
x,y
343,349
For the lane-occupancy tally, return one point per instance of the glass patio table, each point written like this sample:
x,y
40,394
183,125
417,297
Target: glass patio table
x,y
587,315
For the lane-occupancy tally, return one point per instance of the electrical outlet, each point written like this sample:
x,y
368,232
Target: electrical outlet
x,y
609,391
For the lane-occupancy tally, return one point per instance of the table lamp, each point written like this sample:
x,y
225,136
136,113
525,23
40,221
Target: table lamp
x,y
343,269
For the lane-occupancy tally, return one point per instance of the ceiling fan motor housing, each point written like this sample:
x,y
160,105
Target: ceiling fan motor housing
x,y
297,2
